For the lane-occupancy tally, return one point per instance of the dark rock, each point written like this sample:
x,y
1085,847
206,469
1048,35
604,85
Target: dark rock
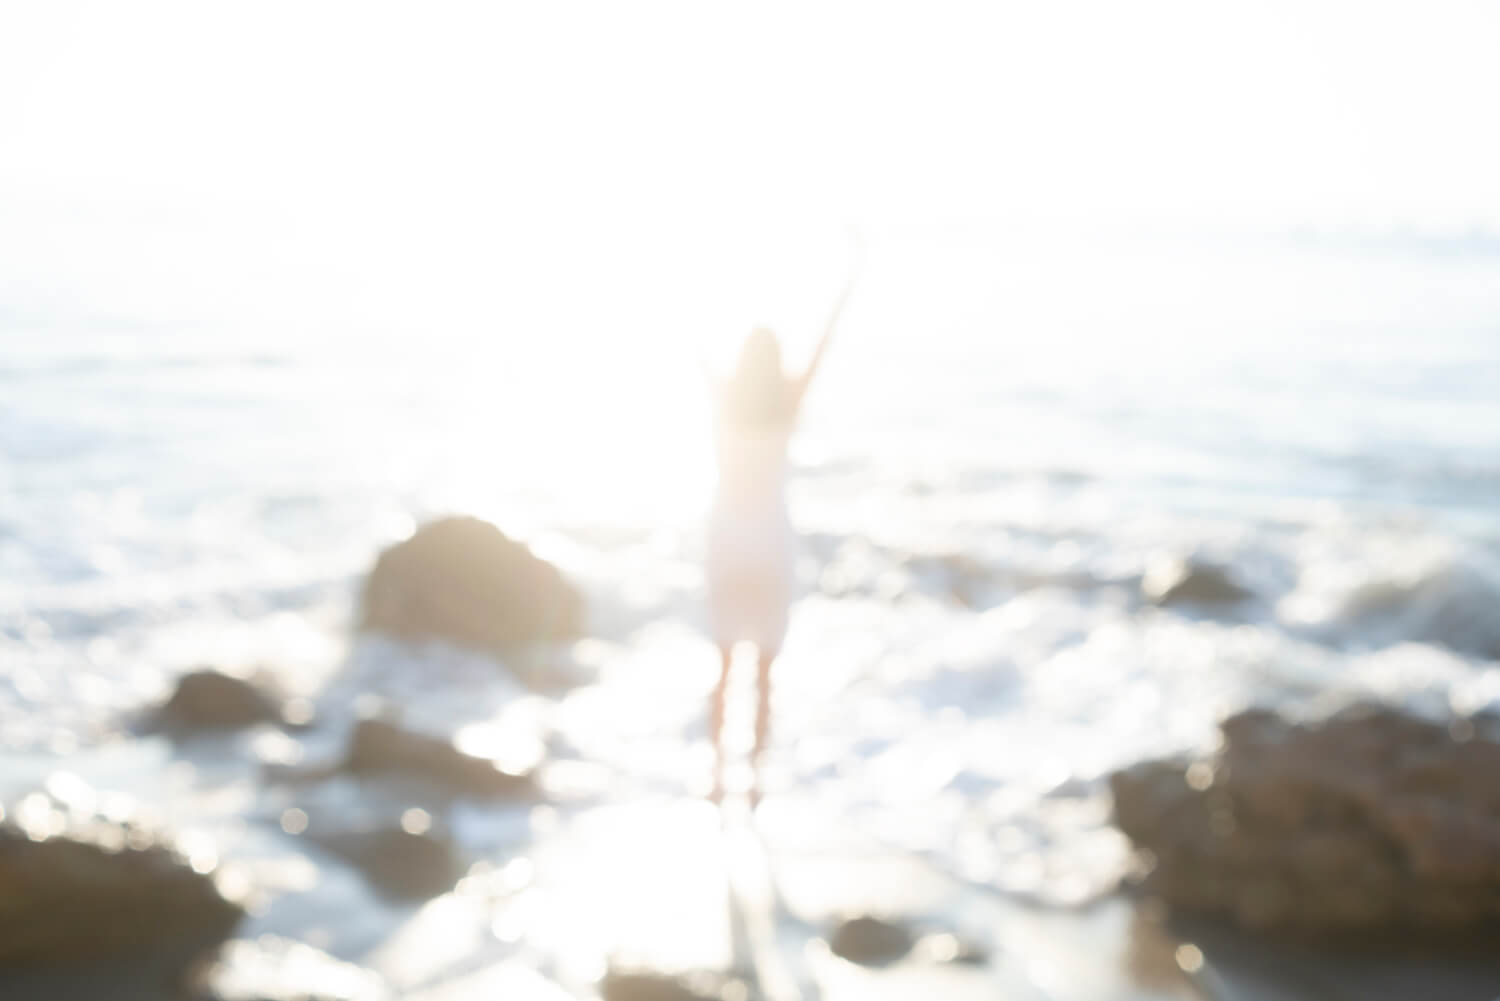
x,y
463,580
871,941
1372,820
948,948
406,865
210,700
275,969
970,954
1181,582
645,986
378,746
77,891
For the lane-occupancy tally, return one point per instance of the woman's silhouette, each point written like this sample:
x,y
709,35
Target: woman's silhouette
x,y
751,546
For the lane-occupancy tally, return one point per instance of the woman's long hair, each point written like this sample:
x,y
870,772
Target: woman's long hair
x,y
758,394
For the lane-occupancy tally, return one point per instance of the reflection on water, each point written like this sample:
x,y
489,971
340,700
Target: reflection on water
x,y
991,467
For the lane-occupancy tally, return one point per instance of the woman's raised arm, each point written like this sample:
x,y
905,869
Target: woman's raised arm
x,y
801,382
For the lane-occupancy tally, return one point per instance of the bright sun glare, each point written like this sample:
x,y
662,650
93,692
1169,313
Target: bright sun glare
x,y
594,197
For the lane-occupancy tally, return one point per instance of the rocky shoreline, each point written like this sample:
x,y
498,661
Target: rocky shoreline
x,y
1372,823
1367,826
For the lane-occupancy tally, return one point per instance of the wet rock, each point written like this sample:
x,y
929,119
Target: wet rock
x,y
645,986
78,890
871,941
406,865
1372,820
463,580
945,947
211,700
275,969
378,746
1181,582
969,954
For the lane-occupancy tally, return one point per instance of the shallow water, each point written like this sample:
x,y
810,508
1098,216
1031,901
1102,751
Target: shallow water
x,y
1007,437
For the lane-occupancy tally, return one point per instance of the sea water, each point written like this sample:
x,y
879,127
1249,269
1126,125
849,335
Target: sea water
x,y
1009,433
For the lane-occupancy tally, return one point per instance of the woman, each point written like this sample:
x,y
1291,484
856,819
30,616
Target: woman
x,y
751,546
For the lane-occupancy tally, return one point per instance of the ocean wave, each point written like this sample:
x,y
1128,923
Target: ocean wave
x,y
975,578
1437,596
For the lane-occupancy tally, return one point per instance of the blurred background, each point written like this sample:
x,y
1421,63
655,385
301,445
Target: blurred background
x,y
1149,288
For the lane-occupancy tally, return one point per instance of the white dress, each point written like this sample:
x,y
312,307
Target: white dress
x,y
751,546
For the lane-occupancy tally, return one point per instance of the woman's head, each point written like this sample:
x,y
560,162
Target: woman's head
x,y
757,392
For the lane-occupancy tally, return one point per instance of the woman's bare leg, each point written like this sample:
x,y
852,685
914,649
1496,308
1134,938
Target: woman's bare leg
x,y
762,720
716,720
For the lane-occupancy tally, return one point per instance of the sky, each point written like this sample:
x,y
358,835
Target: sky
x,y
303,146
